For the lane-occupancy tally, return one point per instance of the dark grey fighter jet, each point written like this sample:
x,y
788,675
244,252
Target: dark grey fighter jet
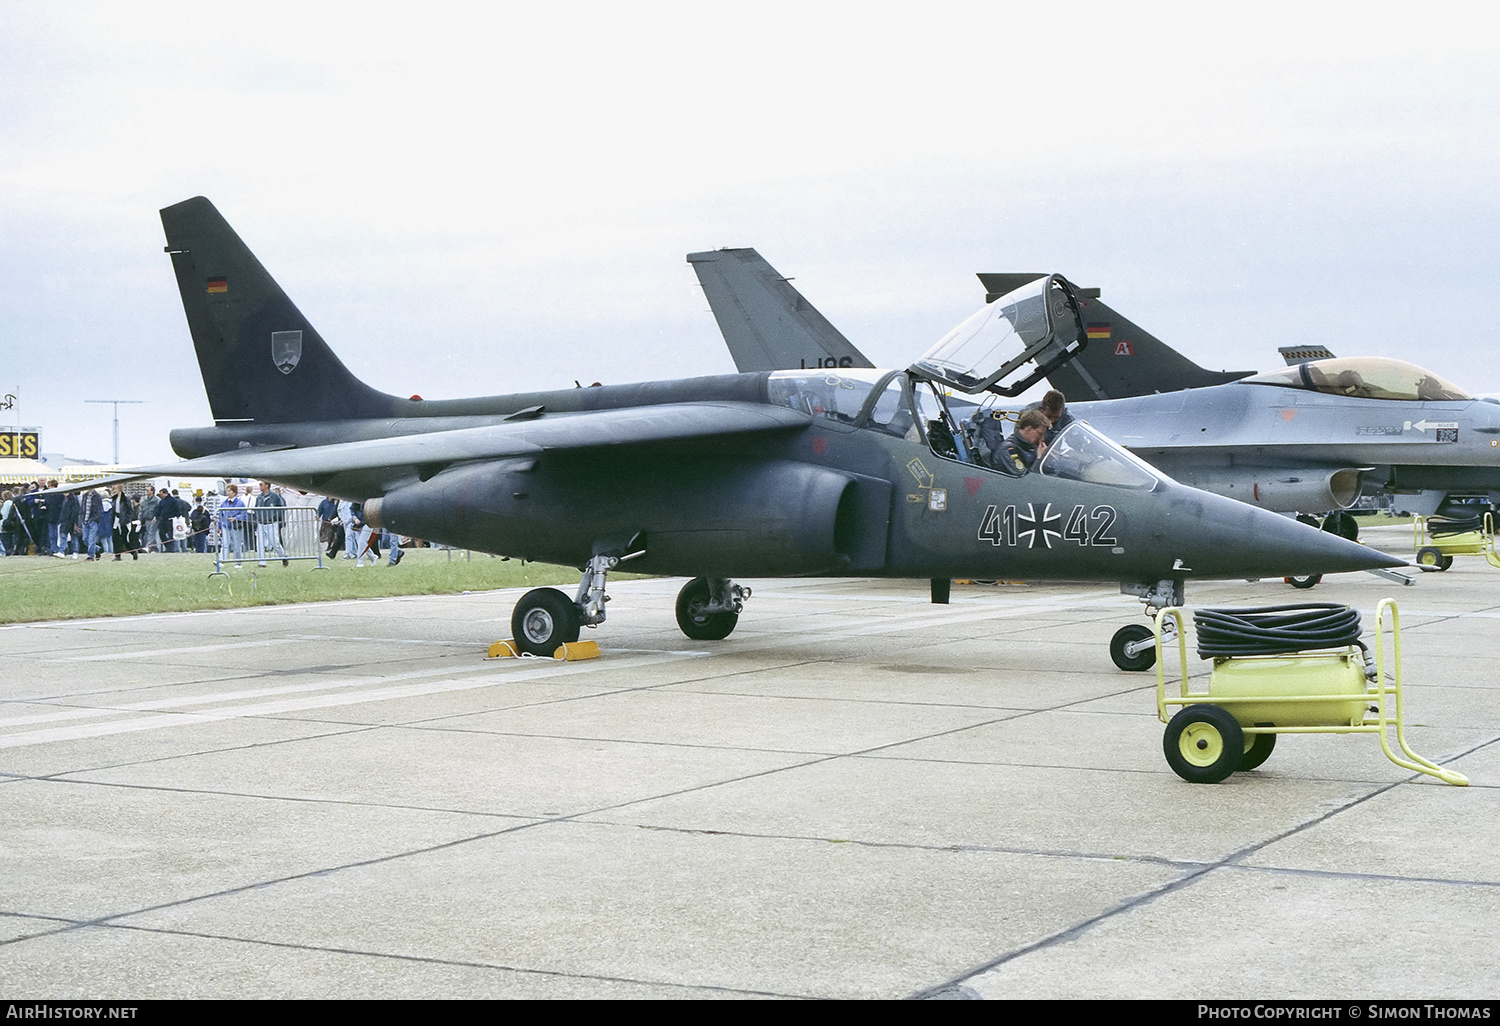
x,y
1307,439
820,472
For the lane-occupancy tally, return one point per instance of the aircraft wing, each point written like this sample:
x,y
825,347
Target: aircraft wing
x,y
574,431
766,322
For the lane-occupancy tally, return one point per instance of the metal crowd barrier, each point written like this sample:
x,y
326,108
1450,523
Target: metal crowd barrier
x,y
266,535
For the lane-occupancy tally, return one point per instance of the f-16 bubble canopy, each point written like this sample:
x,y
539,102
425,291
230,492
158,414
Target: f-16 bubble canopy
x,y
1038,322
1365,377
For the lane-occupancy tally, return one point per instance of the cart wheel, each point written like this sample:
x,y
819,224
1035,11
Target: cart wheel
x,y
1203,744
1143,660
1433,557
1258,749
1309,581
1446,563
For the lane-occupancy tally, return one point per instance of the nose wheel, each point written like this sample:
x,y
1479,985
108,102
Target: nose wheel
x,y
1133,647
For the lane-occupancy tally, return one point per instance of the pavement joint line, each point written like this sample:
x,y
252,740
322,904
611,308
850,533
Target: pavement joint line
x,y
1365,877
957,849
225,892
65,775
293,798
432,960
1232,860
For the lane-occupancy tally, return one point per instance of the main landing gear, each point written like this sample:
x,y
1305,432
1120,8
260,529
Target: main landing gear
x,y
708,608
1133,647
545,619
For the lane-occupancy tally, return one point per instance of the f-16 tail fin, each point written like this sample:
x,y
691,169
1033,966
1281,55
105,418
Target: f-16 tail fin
x,y
261,359
766,322
1122,359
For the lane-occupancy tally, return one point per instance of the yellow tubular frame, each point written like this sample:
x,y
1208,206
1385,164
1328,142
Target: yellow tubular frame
x,y
1379,692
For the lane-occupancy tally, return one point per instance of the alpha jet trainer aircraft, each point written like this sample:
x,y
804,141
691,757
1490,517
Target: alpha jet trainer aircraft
x,y
801,473
1309,439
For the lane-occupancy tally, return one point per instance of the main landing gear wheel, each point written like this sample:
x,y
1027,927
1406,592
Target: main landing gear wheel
x,y
1310,581
1132,632
1258,748
1204,744
1434,558
543,621
695,623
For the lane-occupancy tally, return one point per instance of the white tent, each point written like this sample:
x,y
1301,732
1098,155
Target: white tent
x,y
24,471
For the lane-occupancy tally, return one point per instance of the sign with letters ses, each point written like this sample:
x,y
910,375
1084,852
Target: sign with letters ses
x,y
23,442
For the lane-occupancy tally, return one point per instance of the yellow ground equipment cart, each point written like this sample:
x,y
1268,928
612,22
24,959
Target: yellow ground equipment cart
x,y
1437,540
1298,669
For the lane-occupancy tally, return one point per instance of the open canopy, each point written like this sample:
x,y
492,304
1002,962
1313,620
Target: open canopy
x,y
1038,322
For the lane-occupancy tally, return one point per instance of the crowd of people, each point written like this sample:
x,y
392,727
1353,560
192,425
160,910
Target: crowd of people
x,y
137,518
100,521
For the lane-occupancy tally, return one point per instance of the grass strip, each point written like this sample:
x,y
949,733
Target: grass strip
x,y
35,588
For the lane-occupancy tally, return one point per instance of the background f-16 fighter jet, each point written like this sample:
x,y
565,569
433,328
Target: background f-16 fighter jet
x,y
819,472
1308,438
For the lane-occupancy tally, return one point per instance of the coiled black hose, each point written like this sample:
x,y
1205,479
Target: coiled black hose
x,y
1273,630
1437,528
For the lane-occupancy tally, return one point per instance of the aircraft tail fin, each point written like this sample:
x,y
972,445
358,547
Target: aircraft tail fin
x,y
261,359
1122,358
766,322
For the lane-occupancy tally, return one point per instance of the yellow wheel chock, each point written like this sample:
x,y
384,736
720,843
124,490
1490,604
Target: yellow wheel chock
x,y
1232,726
569,651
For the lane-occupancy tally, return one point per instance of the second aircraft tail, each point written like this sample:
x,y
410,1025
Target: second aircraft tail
x,y
1122,358
766,322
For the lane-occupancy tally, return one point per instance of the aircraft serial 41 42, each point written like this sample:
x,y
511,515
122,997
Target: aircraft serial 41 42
x,y
831,472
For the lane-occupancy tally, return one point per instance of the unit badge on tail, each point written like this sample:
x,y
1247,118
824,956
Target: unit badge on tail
x,y
286,350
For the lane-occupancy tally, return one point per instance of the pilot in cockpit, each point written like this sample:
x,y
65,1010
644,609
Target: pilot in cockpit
x,y
1028,443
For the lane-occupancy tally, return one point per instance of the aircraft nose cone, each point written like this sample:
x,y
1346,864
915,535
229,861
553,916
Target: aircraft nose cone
x,y
1233,539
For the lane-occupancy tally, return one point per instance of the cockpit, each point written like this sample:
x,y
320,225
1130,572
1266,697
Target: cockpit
x,y
899,404
1364,377
934,401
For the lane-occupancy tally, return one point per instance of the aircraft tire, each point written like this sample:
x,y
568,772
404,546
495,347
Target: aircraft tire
x,y
544,619
1204,744
1342,524
1124,636
702,626
1310,581
1258,748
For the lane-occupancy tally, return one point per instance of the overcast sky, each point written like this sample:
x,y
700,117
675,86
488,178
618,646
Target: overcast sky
x,y
483,198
